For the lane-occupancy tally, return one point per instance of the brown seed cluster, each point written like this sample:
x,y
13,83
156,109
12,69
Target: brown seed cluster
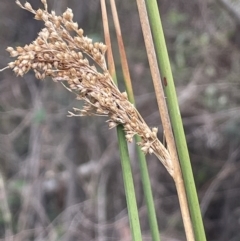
x,y
62,52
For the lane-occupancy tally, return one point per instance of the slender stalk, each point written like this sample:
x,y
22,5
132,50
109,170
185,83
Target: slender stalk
x,y
123,57
142,160
177,175
125,160
176,120
129,186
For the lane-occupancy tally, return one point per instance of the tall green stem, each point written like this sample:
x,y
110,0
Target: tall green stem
x,y
142,160
129,186
166,73
163,111
125,159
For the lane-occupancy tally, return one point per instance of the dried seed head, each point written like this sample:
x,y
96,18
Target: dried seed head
x,y
11,65
10,49
39,14
80,32
68,15
28,6
65,57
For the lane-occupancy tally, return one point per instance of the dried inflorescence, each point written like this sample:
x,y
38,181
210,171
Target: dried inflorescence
x,y
62,52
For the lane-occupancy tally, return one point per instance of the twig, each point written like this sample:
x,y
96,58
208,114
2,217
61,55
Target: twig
x,y
7,67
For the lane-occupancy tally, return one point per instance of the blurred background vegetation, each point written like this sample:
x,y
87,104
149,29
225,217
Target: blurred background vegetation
x,y
61,177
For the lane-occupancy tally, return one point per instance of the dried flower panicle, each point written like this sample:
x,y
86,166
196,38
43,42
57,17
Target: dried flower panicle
x,y
62,52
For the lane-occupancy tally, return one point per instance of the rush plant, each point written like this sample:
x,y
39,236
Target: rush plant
x,y
63,53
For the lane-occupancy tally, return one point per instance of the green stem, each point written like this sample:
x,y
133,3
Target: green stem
x,y
148,193
129,186
165,68
125,160
142,160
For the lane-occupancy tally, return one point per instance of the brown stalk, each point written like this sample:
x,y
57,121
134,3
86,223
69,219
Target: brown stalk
x,y
123,57
125,160
110,60
177,174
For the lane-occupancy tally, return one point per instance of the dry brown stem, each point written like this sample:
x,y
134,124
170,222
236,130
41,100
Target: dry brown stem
x,y
177,174
62,52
